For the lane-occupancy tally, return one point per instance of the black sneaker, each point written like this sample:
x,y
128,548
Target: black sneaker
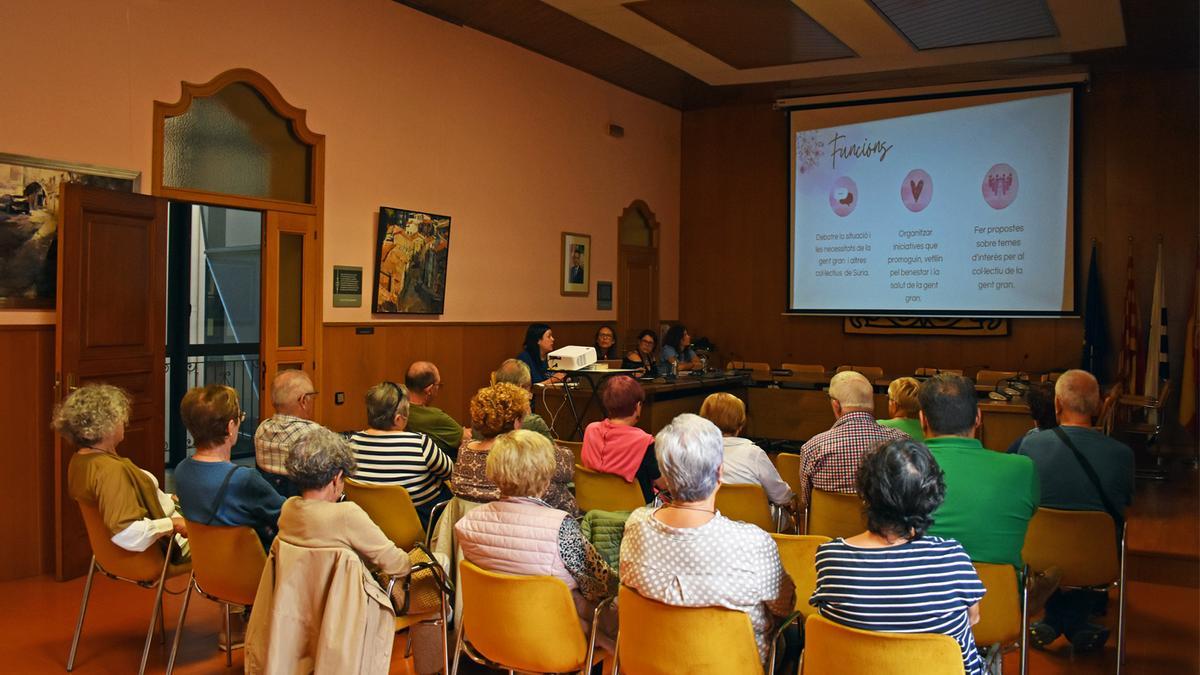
x,y
1089,638
1041,634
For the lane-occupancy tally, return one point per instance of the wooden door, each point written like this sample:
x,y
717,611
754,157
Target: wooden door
x,y
637,293
112,252
291,289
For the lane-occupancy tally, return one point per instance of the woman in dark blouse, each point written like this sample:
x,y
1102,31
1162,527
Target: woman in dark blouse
x,y
606,344
644,357
539,341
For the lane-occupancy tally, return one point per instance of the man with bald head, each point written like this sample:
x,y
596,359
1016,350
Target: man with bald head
x,y
831,458
1066,485
424,382
294,398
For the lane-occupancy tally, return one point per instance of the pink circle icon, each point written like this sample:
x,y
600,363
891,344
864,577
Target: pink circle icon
x,y
916,191
1000,186
843,196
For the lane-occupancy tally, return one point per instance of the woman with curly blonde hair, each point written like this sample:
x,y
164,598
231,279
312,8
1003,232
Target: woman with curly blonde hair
x,y
135,511
495,410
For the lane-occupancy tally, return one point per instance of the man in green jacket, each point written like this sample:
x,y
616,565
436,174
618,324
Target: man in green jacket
x,y
990,496
424,381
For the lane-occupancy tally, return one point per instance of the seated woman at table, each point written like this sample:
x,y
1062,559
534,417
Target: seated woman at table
x,y
903,407
606,344
677,349
745,462
539,341
644,358
495,410
617,445
902,486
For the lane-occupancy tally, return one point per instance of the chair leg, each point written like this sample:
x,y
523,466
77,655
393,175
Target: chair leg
x,y
1121,610
187,596
616,669
458,644
162,623
87,590
228,637
1024,639
154,613
445,642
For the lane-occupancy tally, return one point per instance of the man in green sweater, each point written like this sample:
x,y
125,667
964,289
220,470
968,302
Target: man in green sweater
x,y
424,382
990,496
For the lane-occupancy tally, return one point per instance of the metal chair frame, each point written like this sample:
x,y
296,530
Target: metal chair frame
x,y
225,625
405,621
994,659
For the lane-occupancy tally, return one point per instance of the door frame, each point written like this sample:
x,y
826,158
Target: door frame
x,y
624,252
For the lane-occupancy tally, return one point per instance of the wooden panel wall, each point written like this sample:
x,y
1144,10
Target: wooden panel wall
x,y
1138,178
27,451
465,353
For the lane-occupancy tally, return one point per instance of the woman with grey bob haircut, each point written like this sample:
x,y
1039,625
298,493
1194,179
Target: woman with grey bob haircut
x,y
687,554
320,459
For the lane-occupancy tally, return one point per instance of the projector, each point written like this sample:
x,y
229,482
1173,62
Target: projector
x,y
572,358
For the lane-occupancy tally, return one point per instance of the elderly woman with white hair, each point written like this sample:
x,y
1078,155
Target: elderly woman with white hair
x,y
687,554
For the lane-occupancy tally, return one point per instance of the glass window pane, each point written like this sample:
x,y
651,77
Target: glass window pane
x,y
634,230
291,289
233,143
225,277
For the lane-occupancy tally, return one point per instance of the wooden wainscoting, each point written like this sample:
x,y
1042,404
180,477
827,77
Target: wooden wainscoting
x,y
465,353
27,451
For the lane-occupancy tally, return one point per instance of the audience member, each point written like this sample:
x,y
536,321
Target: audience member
x,y
616,444
677,350
424,381
931,586
496,410
644,357
521,534
1061,455
514,371
287,628
212,490
688,555
539,342
1040,399
386,454
990,496
745,462
294,397
831,458
903,407
134,510
606,344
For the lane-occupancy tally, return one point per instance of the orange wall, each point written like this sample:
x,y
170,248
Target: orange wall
x,y
417,113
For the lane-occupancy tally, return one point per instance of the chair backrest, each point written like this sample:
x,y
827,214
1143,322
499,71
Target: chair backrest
x,y
788,464
870,372
701,639
796,368
833,514
143,567
798,553
391,507
992,377
605,491
576,448
747,503
930,372
1000,609
762,369
1083,544
526,623
227,561
833,648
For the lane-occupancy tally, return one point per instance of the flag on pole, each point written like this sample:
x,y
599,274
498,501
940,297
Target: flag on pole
x,y
1128,372
1095,324
1158,369
1188,394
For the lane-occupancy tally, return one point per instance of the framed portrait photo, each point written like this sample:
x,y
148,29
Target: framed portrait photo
x,y
576,263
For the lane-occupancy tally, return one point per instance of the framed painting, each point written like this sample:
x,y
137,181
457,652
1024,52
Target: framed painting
x,y
576,263
411,252
29,199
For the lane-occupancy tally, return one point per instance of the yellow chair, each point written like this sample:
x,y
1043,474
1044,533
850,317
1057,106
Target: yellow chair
x,y
1084,545
1003,622
991,378
930,372
149,569
833,648
761,370
703,640
605,491
798,553
870,372
576,448
227,564
391,507
833,514
521,623
747,503
810,368
788,464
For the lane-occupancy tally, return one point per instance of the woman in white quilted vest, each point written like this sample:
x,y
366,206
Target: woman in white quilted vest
x,y
521,534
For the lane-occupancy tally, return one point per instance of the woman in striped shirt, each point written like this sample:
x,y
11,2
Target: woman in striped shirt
x,y
387,454
892,577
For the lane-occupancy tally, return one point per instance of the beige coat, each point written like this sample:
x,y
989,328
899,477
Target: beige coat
x,y
318,608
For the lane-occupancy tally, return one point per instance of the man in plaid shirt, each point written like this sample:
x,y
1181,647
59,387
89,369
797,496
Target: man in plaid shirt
x,y
831,458
294,397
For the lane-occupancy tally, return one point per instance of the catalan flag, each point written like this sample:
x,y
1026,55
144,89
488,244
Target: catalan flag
x,y
1128,371
1158,368
1188,394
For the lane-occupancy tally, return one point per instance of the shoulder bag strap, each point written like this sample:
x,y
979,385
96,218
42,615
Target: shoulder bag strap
x,y
1092,476
212,512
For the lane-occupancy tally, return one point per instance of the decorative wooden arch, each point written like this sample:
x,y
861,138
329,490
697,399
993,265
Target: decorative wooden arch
x,y
296,118
642,209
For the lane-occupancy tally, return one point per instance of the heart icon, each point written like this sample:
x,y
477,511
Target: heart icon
x,y
917,187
